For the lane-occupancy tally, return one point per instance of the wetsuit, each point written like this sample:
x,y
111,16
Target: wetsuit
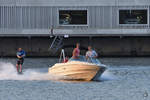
x,y
20,60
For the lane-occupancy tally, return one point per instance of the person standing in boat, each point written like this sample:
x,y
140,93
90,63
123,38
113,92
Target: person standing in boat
x,y
91,54
20,55
76,52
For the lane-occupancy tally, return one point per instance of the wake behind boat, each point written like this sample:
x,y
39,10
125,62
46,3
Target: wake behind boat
x,y
78,70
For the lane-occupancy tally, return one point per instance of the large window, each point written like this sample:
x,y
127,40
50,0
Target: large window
x,y
133,17
72,17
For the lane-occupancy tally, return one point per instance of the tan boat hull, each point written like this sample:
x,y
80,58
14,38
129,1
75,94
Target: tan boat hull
x,y
75,70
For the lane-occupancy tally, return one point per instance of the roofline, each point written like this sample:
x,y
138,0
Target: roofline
x,y
70,4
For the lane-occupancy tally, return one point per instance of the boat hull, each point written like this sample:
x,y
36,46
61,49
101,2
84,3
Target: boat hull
x,y
76,70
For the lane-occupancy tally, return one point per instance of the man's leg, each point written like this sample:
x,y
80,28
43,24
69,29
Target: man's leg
x,y
21,63
17,67
20,68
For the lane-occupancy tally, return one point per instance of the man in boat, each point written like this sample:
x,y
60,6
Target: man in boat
x,y
20,55
76,52
91,54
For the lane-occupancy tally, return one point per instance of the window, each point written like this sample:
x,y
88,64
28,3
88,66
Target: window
x,y
133,17
73,17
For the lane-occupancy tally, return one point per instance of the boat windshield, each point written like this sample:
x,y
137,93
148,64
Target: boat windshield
x,y
89,60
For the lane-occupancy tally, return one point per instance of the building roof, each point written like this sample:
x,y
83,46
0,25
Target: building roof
x,y
74,2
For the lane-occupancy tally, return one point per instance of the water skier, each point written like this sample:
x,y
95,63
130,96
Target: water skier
x,y
20,55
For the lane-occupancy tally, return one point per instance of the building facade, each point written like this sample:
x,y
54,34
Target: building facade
x,y
75,17
115,27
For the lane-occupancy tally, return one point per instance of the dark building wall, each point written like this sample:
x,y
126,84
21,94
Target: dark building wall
x,y
33,46
116,46
105,46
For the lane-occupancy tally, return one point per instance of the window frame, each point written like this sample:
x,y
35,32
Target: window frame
x,y
133,24
73,10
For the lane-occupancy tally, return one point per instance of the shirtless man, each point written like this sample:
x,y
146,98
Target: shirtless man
x,y
76,52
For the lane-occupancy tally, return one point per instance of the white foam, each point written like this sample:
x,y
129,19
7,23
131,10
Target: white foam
x,y
8,72
107,75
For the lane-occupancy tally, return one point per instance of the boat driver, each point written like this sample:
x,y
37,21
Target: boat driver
x,y
76,52
91,53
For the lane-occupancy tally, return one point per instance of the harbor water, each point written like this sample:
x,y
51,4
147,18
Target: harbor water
x,y
125,79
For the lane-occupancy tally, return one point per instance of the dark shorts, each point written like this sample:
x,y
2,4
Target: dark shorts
x,y
20,61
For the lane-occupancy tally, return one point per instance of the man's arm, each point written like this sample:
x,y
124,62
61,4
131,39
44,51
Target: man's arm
x,y
24,54
17,55
95,54
87,56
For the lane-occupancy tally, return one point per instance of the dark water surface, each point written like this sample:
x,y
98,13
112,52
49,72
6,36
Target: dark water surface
x,y
125,79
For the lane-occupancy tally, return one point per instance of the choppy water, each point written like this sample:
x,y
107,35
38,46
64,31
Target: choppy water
x,y
125,79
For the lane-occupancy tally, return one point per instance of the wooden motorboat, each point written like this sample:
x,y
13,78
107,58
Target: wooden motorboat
x,y
77,70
